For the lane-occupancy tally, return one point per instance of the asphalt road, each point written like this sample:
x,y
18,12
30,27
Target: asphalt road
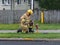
x,y
29,42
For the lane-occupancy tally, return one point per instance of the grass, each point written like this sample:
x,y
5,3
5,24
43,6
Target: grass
x,y
49,26
41,26
30,35
9,26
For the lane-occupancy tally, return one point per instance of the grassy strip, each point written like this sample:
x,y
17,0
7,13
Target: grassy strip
x,y
41,26
49,26
30,35
9,26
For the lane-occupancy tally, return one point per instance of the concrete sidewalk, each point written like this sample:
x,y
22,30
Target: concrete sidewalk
x,y
39,31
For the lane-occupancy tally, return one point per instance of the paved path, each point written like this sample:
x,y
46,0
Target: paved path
x,y
40,31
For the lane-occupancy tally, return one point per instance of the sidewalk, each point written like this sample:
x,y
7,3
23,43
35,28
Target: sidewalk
x,y
39,31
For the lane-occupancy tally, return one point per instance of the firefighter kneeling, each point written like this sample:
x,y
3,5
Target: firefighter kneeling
x,y
25,20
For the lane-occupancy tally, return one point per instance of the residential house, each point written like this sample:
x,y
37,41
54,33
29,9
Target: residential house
x,y
16,4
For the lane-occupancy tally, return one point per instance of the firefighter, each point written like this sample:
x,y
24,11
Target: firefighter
x,y
24,20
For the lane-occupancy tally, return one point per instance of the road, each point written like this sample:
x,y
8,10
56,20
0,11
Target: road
x,y
29,42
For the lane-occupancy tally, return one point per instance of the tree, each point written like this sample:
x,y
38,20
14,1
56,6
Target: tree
x,y
49,4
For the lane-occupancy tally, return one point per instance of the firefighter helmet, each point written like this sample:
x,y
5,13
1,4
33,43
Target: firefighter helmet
x,y
30,11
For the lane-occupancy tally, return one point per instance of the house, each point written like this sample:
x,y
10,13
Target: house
x,y
15,4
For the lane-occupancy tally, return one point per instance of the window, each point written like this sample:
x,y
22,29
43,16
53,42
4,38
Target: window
x,y
29,1
18,1
24,0
6,2
2,1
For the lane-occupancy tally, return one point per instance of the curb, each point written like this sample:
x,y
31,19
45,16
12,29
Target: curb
x,y
27,39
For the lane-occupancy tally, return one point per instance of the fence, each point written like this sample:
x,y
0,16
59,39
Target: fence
x,y
52,16
13,16
10,16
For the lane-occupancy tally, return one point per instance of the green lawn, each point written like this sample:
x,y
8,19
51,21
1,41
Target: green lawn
x,y
49,26
30,35
9,26
41,26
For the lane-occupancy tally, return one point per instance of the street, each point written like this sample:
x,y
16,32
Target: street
x,y
29,42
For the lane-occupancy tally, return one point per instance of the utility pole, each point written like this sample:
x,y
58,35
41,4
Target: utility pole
x,y
32,4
